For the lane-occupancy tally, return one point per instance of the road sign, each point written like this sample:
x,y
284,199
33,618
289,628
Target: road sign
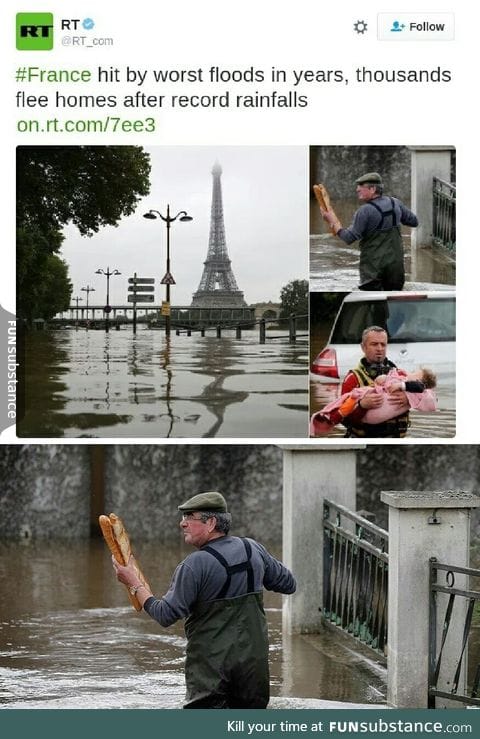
x,y
140,298
107,309
168,280
141,288
141,280
165,308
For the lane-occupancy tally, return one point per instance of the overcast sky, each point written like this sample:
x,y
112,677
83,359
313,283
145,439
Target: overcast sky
x,y
265,196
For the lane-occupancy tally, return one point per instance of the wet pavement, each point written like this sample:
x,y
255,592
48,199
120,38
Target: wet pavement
x,y
81,383
69,639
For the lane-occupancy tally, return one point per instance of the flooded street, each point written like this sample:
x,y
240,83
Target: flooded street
x,y
69,639
82,383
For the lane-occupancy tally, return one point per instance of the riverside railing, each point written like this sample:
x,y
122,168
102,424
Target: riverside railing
x,y
355,579
292,322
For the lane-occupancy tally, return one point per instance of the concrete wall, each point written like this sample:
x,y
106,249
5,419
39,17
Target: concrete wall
x,y
41,484
339,166
44,491
146,483
42,487
416,467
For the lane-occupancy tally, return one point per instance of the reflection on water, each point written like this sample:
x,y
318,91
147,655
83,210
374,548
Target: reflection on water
x,y
92,383
69,639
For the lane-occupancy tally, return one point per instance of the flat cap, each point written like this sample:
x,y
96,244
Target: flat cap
x,y
205,502
372,178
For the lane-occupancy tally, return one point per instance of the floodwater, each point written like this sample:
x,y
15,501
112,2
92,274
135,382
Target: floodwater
x,y
334,265
81,383
440,424
70,639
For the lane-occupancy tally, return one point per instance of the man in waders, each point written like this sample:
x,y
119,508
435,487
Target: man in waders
x,y
376,225
373,363
218,591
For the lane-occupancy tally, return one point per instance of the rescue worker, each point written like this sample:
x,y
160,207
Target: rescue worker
x,y
218,590
373,363
376,225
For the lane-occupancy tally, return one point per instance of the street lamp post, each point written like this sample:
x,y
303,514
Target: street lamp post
x,y
87,290
168,279
77,300
108,307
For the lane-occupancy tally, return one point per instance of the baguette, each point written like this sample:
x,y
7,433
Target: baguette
x,y
118,542
107,532
323,199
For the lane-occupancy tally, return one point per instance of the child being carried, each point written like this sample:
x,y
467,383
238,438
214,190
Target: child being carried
x,y
416,386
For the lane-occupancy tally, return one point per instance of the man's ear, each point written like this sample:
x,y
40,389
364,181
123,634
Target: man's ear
x,y
212,522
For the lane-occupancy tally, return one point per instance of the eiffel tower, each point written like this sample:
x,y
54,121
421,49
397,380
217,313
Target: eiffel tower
x,y
218,287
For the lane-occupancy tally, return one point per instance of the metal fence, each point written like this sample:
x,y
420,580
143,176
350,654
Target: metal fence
x,y
444,213
444,598
355,578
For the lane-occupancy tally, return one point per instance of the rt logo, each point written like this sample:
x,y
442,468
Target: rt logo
x,y
34,31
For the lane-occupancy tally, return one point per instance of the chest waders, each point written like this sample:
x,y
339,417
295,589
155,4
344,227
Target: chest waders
x,y
395,428
227,646
381,255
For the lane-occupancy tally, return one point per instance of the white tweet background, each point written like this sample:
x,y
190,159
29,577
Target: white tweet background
x,y
266,34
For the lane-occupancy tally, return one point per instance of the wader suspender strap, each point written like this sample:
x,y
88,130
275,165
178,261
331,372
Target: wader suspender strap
x,y
232,569
385,213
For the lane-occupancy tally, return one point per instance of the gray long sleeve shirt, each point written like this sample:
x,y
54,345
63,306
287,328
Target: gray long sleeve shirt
x,y
367,219
200,577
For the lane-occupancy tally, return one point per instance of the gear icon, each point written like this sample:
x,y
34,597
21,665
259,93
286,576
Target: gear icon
x,y
360,26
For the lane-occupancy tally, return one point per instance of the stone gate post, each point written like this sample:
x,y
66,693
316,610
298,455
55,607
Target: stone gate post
x,y
310,474
427,162
421,525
